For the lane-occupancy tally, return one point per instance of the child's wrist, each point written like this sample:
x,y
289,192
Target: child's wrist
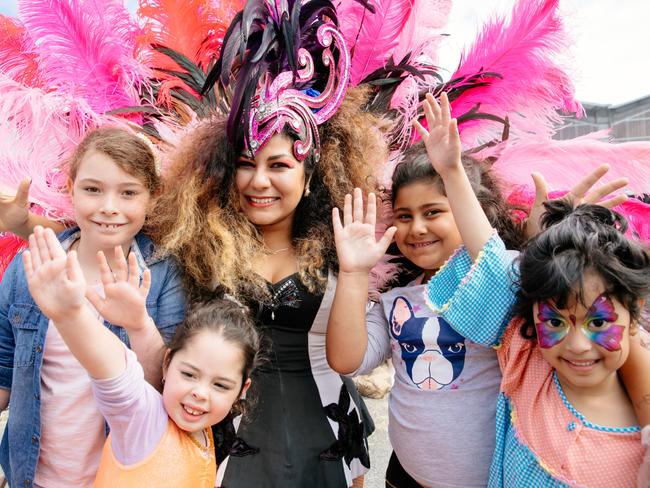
x,y
452,171
143,323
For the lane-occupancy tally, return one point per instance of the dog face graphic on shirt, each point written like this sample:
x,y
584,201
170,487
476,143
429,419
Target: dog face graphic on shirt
x,y
432,351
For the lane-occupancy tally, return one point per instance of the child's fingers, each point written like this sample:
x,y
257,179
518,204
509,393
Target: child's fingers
x,y
73,269
581,189
41,244
604,190
454,136
27,264
36,256
430,107
421,130
22,193
445,112
371,210
105,273
146,283
134,272
120,269
357,207
54,247
336,222
612,202
387,238
347,210
541,189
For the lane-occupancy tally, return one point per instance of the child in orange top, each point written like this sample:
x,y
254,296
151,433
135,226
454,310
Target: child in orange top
x,y
155,440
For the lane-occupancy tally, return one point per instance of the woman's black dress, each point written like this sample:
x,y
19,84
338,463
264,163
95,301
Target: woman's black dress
x,y
309,426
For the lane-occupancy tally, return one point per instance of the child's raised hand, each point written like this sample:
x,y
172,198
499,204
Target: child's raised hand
x,y
582,192
124,301
441,139
55,280
356,246
14,209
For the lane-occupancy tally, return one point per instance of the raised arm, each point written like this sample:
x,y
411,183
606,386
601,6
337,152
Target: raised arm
x,y
124,304
358,251
442,142
15,216
57,285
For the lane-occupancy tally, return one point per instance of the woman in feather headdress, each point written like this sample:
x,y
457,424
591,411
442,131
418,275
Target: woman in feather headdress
x,y
249,215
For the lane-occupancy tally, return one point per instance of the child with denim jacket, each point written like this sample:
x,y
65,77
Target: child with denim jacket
x,y
55,433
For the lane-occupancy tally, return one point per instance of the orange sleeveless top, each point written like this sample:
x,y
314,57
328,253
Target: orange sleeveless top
x,y
176,461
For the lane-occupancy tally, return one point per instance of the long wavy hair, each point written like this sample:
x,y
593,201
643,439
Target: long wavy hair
x,y
198,218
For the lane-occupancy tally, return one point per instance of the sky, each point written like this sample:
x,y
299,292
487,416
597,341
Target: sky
x,y
608,62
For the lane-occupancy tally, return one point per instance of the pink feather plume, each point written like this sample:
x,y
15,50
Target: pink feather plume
x,y
87,50
530,84
18,57
372,37
421,35
39,130
564,163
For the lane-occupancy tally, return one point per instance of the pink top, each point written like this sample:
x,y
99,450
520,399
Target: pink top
x,y
565,444
72,428
133,409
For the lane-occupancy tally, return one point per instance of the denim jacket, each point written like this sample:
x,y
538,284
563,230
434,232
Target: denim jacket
x,y
22,340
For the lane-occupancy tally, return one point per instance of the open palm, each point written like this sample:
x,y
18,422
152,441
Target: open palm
x,y
124,300
441,138
356,246
55,279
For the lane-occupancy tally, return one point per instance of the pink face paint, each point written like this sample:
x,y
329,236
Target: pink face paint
x,y
598,325
552,327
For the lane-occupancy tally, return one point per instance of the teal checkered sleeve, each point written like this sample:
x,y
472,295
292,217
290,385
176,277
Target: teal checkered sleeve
x,y
476,298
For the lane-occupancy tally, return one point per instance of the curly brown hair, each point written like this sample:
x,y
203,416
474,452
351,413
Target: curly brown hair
x,y
198,218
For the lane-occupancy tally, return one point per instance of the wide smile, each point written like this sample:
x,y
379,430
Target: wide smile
x,y
107,226
192,413
423,244
581,365
261,202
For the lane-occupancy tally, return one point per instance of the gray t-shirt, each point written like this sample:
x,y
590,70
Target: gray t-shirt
x,y
442,407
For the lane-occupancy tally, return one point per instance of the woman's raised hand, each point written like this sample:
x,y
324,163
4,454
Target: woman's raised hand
x,y
14,209
441,138
356,246
55,279
124,301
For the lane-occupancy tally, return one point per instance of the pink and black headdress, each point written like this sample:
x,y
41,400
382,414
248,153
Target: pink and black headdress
x,y
289,67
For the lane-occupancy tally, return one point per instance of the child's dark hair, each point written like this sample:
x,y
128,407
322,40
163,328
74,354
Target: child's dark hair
x,y
577,240
131,154
416,167
233,323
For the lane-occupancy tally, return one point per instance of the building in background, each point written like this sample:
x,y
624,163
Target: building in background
x,y
628,122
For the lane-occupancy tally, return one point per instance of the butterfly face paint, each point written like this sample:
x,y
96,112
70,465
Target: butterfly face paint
x,y
552,327
598,324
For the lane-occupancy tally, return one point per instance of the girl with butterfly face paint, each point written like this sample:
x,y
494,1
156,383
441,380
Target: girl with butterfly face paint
x,y
564,414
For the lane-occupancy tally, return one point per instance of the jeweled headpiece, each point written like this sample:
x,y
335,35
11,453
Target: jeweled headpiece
x,y
291,68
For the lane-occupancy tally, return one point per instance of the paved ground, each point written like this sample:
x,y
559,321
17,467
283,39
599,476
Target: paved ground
x,y
380,449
